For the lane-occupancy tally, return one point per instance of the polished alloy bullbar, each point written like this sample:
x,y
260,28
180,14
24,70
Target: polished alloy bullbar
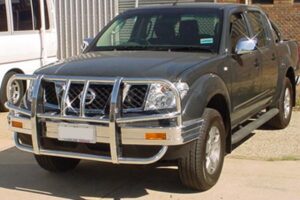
x,y
107,128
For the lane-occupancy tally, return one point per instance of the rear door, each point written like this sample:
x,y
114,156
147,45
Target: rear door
x,y
260,29
50,37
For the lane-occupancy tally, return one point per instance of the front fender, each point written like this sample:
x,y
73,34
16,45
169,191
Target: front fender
x,y
200,93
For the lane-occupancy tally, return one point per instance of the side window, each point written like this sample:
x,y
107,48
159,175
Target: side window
x,y
3,17
238,29
257,22
22,15
37,14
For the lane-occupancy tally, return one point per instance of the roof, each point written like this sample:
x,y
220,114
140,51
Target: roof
x,y
191,5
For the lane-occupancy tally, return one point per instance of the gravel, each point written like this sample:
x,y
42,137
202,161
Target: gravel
x,y
272,144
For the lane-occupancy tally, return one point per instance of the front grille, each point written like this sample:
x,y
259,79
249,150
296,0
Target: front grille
x,y
74,94
96,101
97,98
102,97
50,93
136,97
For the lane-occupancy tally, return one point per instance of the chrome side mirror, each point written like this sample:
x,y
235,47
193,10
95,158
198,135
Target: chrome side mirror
x,y
86,43
245,45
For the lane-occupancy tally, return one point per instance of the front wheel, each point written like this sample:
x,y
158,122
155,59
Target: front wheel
x,y
56,164
201,167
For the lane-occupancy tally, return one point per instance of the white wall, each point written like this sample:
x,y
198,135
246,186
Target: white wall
x,y
79,19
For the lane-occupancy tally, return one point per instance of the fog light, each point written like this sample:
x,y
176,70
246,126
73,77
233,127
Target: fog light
x,y
17,124
155,136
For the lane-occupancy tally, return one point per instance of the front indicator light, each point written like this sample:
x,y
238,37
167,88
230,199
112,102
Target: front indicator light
x,y
155,136
17,124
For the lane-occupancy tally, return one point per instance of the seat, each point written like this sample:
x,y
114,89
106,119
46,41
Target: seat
x,y
165,33
189,32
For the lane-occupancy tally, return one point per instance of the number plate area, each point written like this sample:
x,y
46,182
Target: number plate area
x,y
82,133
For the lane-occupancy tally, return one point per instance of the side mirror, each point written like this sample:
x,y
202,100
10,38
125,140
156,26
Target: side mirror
x,y
245,45
86,43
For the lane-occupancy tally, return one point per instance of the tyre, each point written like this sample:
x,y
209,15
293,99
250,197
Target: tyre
x,y
285,106
56,164
201,167
19,90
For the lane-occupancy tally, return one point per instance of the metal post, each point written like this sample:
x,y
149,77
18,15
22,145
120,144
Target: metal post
x,y
34,110
113,115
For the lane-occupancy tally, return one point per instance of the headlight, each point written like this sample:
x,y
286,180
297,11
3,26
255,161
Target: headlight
x,y
162,97
182,88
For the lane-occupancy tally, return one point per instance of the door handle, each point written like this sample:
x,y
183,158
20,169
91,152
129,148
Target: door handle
x,y
273,56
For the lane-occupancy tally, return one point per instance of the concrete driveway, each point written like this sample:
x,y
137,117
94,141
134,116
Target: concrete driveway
x,y
21,178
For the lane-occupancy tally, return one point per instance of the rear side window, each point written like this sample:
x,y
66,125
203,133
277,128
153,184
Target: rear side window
x,y
238,29
3,17
22,15
257,22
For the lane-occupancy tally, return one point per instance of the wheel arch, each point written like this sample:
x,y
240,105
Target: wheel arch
x,y
219,103
17,70
209,91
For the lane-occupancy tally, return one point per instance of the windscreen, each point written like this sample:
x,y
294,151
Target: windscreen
x,y
164,29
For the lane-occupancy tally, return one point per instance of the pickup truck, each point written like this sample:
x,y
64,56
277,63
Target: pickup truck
x,y
182,82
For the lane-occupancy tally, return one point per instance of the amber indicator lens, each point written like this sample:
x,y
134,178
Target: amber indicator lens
x,y
17,124
155,136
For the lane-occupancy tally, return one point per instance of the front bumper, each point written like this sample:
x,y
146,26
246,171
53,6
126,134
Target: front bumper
x,y
115,130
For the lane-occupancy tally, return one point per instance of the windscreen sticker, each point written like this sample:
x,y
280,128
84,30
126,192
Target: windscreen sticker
x,y
207,41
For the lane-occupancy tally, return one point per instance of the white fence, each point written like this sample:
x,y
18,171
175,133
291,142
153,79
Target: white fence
x,y
79,19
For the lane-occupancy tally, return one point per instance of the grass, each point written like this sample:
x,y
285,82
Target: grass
x,y
284,158
281,158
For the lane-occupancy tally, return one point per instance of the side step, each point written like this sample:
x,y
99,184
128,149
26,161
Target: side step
x,y
245,131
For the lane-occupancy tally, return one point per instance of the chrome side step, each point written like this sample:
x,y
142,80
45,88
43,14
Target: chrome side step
x,y
245,131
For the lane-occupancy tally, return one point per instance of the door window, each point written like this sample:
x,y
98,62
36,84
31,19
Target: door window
x,y
3,17
238,29
22,15
37,14
27,15
257,21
